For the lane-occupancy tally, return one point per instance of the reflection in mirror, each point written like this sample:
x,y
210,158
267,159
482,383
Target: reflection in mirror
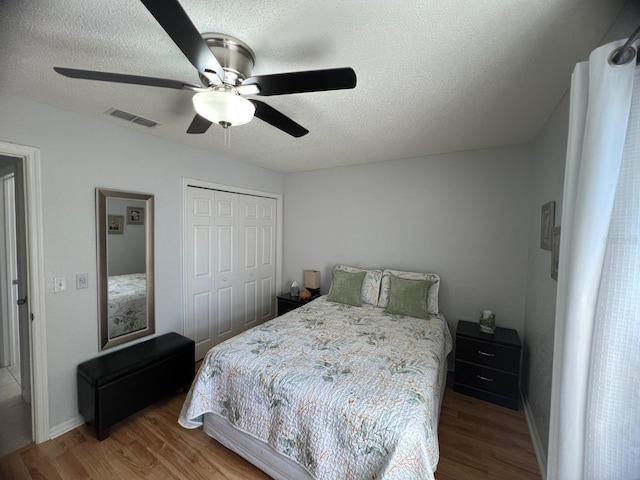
x,y
125,266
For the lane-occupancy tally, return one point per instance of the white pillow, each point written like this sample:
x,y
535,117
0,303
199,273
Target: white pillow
x,y
432,296
370,286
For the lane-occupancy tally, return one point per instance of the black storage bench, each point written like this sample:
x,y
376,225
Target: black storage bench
x,y
116,385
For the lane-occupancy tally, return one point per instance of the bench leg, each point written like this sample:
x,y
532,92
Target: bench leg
x,y
102,434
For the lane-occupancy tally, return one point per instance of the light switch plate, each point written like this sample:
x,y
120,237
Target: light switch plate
x,y
59,284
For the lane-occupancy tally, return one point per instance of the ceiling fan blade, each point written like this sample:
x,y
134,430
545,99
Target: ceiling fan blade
x,y
279,120
175,21
122,78
300,82
199,125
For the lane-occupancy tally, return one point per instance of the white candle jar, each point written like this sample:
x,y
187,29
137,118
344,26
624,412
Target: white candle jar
x,y
488,322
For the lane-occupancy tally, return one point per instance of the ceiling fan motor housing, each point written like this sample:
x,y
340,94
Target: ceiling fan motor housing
x,y
235,56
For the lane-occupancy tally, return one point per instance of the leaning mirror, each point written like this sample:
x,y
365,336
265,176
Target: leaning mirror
x,y
124,222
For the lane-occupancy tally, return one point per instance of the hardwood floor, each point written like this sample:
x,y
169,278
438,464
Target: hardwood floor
x,y
482,441
478,441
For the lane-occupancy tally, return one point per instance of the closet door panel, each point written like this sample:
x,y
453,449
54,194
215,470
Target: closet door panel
x,y
224,307
250,301
250,245
267,304
268,227
224,249
267,259
226,265
202,315
200,318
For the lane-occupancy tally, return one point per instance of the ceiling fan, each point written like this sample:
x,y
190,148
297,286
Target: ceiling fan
x,y
224,66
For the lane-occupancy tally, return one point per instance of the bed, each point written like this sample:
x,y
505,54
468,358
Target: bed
x,y
127,304
332,389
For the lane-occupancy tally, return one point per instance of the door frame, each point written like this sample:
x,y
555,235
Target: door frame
x,y
192,182
30,157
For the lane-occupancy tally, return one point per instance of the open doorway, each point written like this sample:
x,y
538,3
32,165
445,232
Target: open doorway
x,y
15,356
23,366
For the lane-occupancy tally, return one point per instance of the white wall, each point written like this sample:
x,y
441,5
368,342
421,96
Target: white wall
x,y
79,154
547,182
459,215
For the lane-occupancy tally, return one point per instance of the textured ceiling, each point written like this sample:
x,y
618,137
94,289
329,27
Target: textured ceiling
x,y
433,76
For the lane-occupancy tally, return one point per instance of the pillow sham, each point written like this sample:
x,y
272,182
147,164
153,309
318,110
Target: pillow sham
x,y
408,297
346,287
432,296
370,286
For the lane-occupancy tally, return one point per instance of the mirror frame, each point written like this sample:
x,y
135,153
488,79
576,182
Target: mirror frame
x,y
102,195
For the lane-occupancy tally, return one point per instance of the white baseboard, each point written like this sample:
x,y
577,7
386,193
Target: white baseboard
x,y
66,427
535,438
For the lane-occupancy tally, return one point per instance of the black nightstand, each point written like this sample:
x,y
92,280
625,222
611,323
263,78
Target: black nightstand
x,y
488,366
286,302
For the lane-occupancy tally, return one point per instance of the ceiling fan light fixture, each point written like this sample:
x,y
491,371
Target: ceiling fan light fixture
x,y
224,107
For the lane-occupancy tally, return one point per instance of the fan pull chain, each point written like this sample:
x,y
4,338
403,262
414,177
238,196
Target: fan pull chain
x,y
227,133
227,137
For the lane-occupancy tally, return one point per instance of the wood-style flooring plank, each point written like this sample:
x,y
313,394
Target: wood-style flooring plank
x,y
12,466
478,441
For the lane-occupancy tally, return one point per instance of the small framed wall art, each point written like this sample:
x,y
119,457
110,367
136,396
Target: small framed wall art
x,y
547,221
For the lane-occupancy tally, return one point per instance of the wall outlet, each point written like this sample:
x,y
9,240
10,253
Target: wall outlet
x,y
82,281
59,284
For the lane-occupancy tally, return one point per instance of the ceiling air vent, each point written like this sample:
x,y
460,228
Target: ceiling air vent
x,y
130,117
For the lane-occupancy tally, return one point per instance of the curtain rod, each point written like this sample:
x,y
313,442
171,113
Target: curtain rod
x,y
623,55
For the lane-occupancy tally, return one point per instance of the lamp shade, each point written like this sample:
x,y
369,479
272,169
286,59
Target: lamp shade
x,y
312,279
223,107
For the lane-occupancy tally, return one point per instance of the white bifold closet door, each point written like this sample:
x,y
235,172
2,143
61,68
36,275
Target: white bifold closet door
x,y
231,265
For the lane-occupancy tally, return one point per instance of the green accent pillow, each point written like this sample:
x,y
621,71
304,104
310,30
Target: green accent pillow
x,y
408,297
346,287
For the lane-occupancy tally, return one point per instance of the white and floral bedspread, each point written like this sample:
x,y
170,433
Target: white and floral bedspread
x,y
127,303
347,392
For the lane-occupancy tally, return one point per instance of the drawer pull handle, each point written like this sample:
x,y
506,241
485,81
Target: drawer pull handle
x,y
484,378
486,354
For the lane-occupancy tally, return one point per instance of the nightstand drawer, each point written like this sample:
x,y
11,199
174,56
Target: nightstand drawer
x,y
286,302
486,378
489,354
285,307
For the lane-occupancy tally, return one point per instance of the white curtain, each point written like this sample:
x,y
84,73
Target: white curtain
x,y
595,400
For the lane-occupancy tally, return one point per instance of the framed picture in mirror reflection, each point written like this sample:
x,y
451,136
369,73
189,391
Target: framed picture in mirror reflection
x,y
135,215
115,223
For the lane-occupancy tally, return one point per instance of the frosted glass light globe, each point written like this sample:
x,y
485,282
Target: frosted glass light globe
x,y
223,107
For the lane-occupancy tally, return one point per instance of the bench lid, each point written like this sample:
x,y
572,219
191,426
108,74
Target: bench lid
x,y
112,366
